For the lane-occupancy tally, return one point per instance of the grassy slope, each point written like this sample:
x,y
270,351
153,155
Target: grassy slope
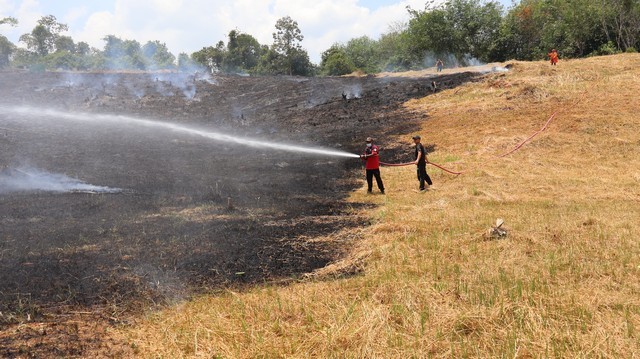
x,y
564,283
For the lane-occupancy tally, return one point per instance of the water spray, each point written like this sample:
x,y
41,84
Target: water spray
x,y
215,136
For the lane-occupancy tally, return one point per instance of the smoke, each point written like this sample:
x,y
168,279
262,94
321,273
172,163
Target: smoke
x,y
185,82
134,90
499,69
450,60
353,91
165,83
31,179
205,76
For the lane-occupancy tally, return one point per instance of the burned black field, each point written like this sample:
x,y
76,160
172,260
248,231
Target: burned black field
x,y
194,214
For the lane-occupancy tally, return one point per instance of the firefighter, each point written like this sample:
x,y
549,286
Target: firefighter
x,y
421,163
372,165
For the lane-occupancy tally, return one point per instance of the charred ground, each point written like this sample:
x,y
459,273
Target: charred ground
x,y
69,258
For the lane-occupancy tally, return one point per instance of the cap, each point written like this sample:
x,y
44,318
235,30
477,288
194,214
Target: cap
x,y
416,137
369,139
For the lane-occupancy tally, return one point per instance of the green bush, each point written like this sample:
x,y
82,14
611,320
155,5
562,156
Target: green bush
x,y
608,49
631,50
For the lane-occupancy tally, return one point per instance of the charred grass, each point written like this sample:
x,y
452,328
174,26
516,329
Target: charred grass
x,y
196,218
429,280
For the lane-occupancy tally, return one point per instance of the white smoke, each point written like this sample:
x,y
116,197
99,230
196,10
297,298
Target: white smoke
x,y
205,76
353,91
31,179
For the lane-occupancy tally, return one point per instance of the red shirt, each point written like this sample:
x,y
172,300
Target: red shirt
x,y
373,161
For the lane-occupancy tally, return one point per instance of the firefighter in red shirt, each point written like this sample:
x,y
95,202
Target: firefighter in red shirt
x,y
372,158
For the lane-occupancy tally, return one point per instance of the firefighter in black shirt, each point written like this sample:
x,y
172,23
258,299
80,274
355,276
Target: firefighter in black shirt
x,y
421,162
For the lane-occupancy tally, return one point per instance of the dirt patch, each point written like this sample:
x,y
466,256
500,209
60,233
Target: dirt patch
x,y
194,215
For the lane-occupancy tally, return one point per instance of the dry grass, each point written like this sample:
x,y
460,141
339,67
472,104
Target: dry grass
x,y
564,283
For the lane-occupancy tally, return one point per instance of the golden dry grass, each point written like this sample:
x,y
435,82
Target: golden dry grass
x,y
564,283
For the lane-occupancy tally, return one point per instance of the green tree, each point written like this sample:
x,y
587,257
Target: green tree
x,y
123,54
9,21
300,63
83,49
335,61
363,53
65,43
186,63
460,28
393,49
243,52
271,63
158,56
64,60
621,21
24,57
44,35
533,27
286,43
211,57
7,48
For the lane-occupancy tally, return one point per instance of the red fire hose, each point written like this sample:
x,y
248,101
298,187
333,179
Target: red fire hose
x,y
543,127
530,137
412,163
503,155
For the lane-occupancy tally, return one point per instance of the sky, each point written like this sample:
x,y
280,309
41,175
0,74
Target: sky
x,y
189,25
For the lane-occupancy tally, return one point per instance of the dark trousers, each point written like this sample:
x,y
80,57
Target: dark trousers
x,y
376,173
423,176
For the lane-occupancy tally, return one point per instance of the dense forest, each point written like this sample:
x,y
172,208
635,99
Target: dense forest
x,y
460,32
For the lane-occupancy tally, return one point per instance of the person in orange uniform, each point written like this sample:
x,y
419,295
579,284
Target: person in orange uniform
x,y
372,165
553,56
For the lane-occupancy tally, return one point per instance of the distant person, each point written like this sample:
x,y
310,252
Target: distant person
x,y
440,65
553,56
433,86
421,162
372,165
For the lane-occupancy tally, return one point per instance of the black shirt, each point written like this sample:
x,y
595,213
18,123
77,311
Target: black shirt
x,y
423,158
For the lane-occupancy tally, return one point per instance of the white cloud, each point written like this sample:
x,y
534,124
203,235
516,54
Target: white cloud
x,y
74,14
6,8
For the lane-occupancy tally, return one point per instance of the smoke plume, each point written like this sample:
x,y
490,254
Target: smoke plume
x,y
31,179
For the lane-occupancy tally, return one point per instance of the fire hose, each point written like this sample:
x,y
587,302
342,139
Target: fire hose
x,y
501,156
530,137
517,147
413,163
543,127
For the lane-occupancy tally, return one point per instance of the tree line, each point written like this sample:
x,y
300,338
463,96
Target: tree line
x,y
458,31
461,32
48,48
